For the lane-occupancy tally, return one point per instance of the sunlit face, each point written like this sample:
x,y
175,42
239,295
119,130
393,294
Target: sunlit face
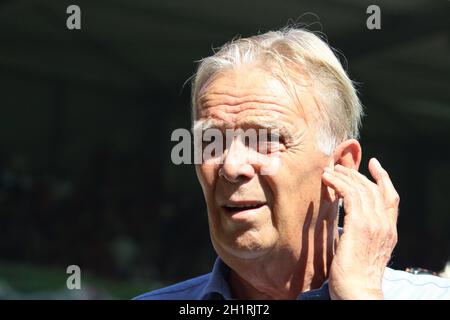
x,y
251,214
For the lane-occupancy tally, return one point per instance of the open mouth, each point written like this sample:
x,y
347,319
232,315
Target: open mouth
x,y
236,208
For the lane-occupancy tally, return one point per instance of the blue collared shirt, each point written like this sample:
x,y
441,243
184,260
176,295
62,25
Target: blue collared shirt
x,y
214,286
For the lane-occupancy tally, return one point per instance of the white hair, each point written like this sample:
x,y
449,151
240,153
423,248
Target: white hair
x,y
292,54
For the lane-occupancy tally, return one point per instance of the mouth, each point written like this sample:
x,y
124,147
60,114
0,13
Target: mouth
x,y
243,207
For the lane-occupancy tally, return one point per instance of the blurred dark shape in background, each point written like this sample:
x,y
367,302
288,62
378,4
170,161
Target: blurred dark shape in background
x,y
86,117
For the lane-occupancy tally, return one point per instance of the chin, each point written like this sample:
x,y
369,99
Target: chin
x,y
245,246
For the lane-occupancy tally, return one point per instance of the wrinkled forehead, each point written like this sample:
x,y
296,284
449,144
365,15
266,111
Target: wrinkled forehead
x,y
249,98
243,80
268,124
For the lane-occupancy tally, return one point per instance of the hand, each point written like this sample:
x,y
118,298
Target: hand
x,y
369,233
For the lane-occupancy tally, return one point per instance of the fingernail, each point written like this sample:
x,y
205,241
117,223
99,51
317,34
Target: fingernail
x,y
377,163
327,169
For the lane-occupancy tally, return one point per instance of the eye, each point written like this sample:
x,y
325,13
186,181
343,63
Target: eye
x,y
268,143
206,141
212,147
212,136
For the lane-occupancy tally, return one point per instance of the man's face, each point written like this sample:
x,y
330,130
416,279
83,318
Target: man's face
x,y
250,213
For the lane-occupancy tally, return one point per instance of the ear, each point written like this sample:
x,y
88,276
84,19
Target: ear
x,y
348,154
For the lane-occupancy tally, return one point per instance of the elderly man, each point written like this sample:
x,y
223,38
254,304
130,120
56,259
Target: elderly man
x,y
276,234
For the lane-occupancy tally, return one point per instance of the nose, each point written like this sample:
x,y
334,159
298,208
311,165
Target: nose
x,y
236,166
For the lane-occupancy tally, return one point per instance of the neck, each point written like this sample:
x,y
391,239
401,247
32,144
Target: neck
x,y
285,273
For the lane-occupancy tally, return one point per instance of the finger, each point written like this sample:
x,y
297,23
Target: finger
x,y
384,182
342,185
353,182
355,175
370,192
363,192
390,195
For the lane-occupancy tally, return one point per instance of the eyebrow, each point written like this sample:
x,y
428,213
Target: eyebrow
x,y
205,124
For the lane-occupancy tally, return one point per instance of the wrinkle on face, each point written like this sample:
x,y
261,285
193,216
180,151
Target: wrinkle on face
x,y
258,101
244,99
268,248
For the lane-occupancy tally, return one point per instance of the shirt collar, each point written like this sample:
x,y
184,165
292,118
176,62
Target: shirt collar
x,y
217,286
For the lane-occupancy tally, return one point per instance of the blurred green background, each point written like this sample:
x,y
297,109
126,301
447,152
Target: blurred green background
x,y
86,117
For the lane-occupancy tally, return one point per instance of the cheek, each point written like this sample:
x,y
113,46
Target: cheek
x,y
296,177
207,175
